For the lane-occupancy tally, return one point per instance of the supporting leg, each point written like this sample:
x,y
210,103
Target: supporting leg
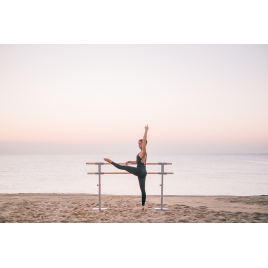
x,y
142,187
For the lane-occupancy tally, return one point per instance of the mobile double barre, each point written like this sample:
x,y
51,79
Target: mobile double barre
x,y
162,173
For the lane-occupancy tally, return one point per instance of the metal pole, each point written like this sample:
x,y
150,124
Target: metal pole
x,y
99,185
99,169
162,185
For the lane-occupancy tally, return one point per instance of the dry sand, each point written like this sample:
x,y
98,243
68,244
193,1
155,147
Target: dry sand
x,y
79,208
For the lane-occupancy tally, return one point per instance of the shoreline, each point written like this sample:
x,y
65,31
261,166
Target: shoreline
x,y
78,207
154,195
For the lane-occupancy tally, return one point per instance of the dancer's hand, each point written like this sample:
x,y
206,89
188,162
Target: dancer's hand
x,y
146,128
127,163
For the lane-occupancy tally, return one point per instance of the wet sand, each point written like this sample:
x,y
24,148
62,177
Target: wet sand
x,y
52,208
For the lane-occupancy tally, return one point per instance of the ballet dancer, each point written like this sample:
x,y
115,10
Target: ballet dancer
x,y
140,170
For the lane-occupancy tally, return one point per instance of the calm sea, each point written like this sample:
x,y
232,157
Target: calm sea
x,y
196,174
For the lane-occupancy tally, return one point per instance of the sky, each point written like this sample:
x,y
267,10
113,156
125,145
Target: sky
x,y
99,98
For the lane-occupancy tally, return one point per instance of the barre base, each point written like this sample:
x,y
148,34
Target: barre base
x,y
166,209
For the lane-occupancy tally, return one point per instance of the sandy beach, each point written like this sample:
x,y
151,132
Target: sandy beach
x,y
52,208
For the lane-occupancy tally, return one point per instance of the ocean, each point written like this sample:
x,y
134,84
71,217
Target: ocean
x,y
194,174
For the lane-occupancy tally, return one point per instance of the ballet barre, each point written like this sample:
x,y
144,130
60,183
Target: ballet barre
x,y
162,173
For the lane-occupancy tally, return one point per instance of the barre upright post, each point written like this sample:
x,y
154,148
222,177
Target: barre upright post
x,y
99,185
162,184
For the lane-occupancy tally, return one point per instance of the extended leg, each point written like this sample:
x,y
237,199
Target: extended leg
x,y
132,170
142,187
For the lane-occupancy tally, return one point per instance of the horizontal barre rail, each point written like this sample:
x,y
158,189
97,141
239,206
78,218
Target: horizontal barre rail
x,y
95,173
102,163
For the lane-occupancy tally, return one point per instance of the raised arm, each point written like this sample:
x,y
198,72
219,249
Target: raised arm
x,y
143,150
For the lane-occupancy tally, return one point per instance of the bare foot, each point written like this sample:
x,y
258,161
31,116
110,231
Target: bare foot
x,y
142,208
107,160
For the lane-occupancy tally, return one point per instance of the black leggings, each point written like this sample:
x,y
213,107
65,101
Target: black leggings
x,y
137,171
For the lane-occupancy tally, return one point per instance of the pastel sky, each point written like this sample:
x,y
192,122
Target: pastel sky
x,y
98,98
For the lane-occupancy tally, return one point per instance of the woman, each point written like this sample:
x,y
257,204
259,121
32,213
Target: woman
x,y
140,170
